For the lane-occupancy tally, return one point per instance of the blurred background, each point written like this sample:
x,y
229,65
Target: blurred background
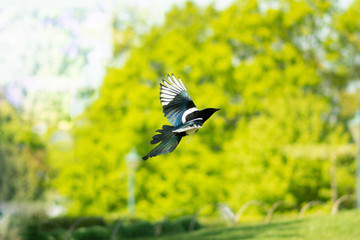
x,y
79,103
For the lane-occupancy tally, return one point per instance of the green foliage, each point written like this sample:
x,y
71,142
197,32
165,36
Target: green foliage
x,y
186,221
167,227
91,228
31,229
22,156
57,234
136,229
91,233
261,65
344,47
11,229
67,222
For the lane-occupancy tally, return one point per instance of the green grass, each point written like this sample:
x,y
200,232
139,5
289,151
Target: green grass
x,y
344,226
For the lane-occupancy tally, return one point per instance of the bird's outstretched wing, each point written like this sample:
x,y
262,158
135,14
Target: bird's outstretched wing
x,y
175,100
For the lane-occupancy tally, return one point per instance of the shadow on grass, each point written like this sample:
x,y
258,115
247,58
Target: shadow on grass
x,y
283,230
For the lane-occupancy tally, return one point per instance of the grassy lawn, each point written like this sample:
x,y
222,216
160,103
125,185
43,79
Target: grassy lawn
x,y
343,226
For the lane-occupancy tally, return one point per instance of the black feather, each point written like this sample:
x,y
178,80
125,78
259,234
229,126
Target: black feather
x,y
168,141
165,133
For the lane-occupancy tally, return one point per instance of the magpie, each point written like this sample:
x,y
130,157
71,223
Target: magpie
x,y
181,112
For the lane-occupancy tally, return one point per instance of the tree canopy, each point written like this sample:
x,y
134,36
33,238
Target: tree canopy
x,y
266,66
22,158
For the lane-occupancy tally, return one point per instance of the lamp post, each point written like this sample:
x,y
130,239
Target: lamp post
x,y
354,125
132,162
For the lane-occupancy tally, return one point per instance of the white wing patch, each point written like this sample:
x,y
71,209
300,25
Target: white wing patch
x,y
169,89
187,112
189,129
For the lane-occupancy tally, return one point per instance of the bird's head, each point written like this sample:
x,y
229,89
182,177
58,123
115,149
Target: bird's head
x,y
207,112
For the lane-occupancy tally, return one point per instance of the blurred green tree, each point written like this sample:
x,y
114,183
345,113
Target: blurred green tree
x,y
22,158
343,60
261,64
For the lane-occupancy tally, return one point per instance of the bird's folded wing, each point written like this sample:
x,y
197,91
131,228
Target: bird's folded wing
x,y
175,99
196,123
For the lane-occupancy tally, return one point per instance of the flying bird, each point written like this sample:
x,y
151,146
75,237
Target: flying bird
x,y
181,112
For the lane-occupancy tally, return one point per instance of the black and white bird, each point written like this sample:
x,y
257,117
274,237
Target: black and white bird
x,y
180,110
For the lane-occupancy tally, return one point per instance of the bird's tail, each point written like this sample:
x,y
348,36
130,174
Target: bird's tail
x,y
169,141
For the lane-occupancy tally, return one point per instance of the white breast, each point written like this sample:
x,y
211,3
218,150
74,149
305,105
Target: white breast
x,y
192,131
